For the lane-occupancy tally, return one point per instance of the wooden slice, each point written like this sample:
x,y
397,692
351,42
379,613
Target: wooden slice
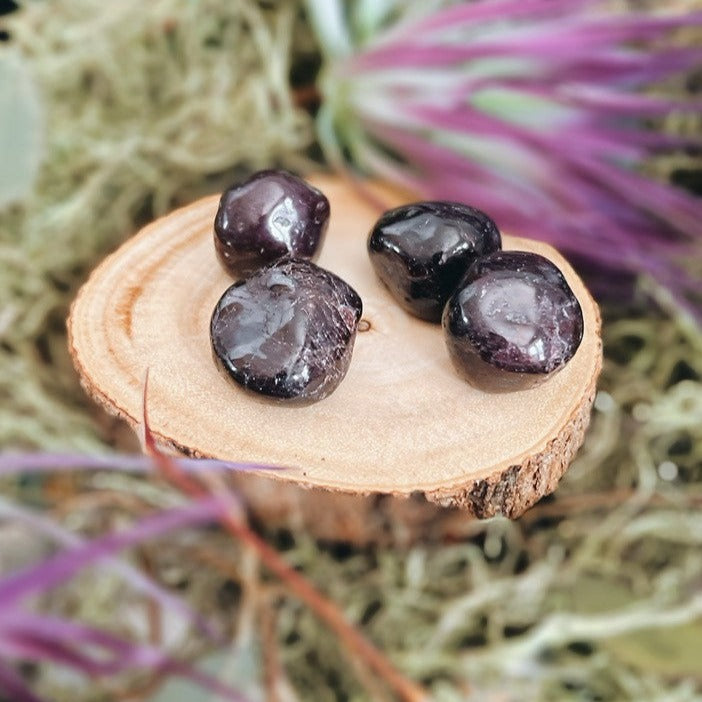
x,y
401,423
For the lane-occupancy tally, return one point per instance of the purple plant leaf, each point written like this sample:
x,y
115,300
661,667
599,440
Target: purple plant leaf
x,y
478,13
58,641
136,578
627,104
28,463
43,647
532,110
567,50
13,686
63,565
85,649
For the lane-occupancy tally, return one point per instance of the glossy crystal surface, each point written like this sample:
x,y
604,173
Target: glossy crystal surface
x,y
421,251
272,215
287,331
512,322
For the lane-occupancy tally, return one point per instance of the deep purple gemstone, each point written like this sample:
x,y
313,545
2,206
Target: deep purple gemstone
x,y
271,215
421,251
287,331
512,322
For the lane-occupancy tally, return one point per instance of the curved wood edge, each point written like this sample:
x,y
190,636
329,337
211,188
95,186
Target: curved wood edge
x,y
514,490
355,517
358,517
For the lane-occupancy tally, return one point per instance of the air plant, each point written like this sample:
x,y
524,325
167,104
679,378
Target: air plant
x,y
540,112
96,653
29,635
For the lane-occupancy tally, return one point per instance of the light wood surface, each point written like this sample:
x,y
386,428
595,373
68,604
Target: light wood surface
x,y
401,423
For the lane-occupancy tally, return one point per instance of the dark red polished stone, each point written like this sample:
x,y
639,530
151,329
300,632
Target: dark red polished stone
x,y
271,215
421,251
287,331
512,322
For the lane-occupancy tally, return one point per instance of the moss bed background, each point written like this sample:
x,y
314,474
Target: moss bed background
x,y
596,594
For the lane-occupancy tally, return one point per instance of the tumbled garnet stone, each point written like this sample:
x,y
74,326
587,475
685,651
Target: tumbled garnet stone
x,y
287,331
421,251
512,322
271,215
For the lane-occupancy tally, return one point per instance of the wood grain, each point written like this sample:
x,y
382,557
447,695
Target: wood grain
x,y
401,422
